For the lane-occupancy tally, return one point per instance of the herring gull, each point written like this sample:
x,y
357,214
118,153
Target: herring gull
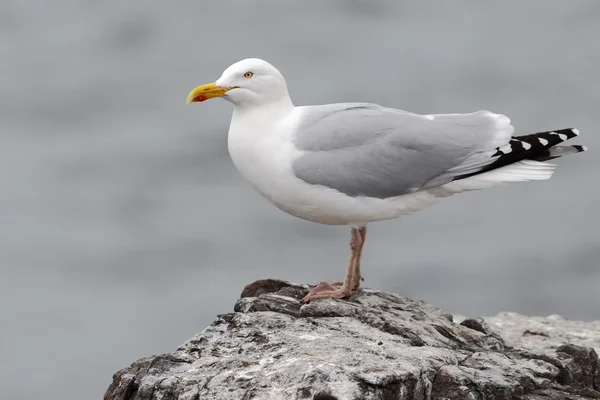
x,y
355,163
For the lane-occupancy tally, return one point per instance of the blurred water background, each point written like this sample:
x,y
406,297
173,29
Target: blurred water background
x,y
125,228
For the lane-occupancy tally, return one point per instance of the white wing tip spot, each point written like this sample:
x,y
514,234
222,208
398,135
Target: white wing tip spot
x,y
575,131
543,141
562,136
526,145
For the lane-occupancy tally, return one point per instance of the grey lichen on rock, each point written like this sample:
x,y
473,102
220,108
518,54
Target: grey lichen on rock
x,y
376,345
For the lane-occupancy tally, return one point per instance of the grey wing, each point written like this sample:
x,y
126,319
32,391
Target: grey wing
x,y
368,150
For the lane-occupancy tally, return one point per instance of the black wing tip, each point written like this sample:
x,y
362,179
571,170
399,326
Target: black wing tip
x,y
539,142
537,146
570,132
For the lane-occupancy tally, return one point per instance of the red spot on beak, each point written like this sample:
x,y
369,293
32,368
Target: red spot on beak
x,y
199,98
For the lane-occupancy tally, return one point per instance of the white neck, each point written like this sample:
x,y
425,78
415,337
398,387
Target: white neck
x,y
278,107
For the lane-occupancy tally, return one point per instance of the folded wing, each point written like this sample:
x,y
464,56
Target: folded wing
x,y
368,150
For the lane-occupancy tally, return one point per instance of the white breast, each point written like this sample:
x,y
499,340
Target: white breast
x,y
263,154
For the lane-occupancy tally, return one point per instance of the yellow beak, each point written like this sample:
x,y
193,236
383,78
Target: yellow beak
x,y
205,92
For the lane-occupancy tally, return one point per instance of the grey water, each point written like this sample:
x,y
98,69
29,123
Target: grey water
x,y
125,228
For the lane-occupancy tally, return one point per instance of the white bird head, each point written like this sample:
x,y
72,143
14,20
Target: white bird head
x,y
247,83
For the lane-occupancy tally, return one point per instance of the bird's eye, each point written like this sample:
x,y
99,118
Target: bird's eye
x,y
248,75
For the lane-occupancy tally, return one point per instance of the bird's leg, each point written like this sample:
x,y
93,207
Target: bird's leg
x,y
326,290
357,276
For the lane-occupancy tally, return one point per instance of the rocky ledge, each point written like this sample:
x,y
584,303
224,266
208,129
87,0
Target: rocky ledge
x,y
376,345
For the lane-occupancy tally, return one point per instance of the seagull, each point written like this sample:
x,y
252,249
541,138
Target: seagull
x,y
355,163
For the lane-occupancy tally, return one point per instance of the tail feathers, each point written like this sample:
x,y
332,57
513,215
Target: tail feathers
x,y
523,158
537,147
521,171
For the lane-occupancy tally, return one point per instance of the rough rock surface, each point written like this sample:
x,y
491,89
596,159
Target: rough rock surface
x,y
376,345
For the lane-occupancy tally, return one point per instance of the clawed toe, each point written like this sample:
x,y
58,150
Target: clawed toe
x,y
326,290
357,284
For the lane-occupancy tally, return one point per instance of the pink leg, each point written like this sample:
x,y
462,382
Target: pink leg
x,y
363,234
326,290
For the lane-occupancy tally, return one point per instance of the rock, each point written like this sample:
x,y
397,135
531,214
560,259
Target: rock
x,y
376,345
